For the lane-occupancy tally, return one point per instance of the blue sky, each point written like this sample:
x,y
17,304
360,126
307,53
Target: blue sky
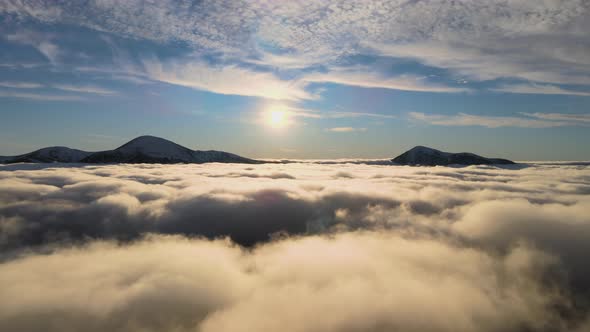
x,y
348,78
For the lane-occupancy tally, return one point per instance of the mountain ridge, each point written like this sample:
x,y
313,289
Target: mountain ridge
x,y
152,149
422,155
142,149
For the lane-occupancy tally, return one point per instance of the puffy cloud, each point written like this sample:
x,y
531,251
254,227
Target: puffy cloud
x,y
327,245
124,201
352,282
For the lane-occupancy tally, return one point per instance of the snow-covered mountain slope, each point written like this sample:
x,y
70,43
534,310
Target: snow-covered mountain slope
x,y
143,149
421,155
60,154
151,149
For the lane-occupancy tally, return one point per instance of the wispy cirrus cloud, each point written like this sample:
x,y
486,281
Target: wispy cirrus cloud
x,y
346,129
532,88
236,80
343,114
362,77
532,120
20,85
91,89
480,40
332,114
585,117
230,80
39,96
41,41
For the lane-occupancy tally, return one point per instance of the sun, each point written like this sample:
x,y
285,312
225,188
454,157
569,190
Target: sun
x,y
277,118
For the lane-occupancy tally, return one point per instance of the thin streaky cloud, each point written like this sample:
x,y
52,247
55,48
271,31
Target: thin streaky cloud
x,y
346,129
584,117
227,80
364,79
20,85
40,41
39,97
463,119
545,89
319,114
84,89
337,115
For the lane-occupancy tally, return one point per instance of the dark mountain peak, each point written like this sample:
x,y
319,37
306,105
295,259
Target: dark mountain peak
x,y
145,140
156,147
152,149
50,154
142,149
422,148
422,155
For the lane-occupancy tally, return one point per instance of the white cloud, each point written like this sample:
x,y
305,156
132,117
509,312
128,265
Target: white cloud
x,y
41,41
38,96
477,248
346,129
483,59
84,89
332,114
535,120
538,89
480,40
225,80
176,284
342,114
234,80
584,117
361,77
20,85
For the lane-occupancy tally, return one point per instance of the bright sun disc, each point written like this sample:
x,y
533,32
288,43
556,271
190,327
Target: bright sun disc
x,y
277,118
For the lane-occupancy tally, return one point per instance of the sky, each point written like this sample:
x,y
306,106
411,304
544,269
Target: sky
x,y
299,79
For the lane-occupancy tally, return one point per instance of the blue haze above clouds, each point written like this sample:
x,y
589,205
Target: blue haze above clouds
x,y
359,79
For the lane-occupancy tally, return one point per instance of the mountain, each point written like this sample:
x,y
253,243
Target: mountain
x,y
150,149
421,155
143,149
59,154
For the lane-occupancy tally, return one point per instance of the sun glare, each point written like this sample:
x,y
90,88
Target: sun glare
x,y
277,118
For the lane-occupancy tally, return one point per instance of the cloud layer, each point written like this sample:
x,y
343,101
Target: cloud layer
x,y
331,247
353,282
471,40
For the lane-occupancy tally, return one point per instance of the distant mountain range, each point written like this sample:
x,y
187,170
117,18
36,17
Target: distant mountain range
x,y
143,149
155,150
421,155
